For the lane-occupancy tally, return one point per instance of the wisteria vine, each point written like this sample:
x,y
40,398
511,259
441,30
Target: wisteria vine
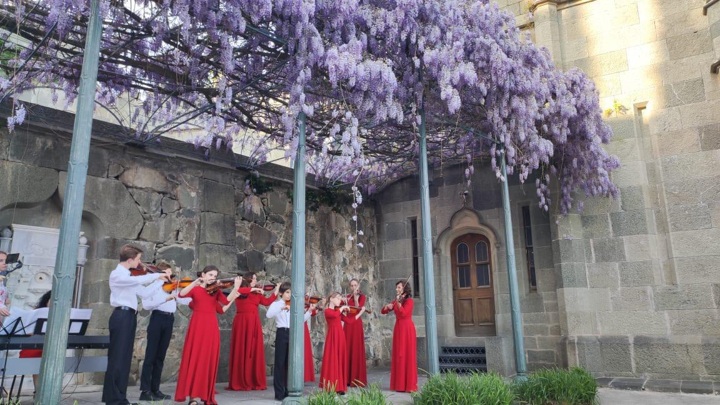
x,y
361,71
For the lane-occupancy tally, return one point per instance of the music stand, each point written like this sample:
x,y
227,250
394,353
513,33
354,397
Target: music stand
x,y
15,327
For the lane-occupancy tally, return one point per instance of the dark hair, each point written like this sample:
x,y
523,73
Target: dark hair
x,y
44,300
284,287
207,269
407,290
128,252
247,279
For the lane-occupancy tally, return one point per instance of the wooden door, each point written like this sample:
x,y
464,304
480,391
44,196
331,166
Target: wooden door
x,y
473,293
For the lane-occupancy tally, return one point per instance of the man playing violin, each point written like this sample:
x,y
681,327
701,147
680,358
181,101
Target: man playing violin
x,y
159,331
124,291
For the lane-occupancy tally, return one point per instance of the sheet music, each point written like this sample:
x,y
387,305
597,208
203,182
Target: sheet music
x,y
22,322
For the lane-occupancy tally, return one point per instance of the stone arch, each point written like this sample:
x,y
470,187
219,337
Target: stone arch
x,y
462,222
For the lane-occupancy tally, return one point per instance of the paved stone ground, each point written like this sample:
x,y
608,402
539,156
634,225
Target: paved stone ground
x,y
86,395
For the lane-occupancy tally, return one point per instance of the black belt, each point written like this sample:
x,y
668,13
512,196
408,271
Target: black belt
x,y
283,328
124,308
159,312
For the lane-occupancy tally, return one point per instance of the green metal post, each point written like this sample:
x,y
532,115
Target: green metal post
x,y
515,313
427,252
297,300
52,366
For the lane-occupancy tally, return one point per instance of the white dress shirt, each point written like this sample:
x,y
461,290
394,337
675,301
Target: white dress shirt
x,y
154,297
282,316
124,288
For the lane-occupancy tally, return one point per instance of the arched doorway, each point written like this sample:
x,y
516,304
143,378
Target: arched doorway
x,y
473,291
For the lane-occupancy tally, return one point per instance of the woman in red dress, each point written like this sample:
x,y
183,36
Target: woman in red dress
x,y
333,372
201,351
355,339
309,359
403,369
247,349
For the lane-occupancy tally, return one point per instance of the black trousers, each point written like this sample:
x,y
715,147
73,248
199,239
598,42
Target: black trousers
x,y
159,332
280,368
122,326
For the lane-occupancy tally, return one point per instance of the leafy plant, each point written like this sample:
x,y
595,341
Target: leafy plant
x,y
558,387
486,389
257,184
334,197
322,397
371,395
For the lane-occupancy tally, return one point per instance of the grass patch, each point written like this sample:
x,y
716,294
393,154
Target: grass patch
x,y
486,389
371,395
557,387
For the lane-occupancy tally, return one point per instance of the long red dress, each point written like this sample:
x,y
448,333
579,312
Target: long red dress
x,y
333,373
403,368
247,349
201,351
309,360
355,339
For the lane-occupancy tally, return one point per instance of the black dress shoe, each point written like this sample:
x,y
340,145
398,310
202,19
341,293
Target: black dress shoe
x,y
147,396
160,395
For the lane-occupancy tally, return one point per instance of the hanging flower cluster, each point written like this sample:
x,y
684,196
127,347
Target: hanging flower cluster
x,y
362,71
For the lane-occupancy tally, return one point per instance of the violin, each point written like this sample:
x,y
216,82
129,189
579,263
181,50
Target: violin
x,y
266,287
220,284
353,310
401,298
173,285
312,300
287,305
144,268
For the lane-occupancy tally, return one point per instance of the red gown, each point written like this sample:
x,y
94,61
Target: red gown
x,y
201,351
333,373
403,368
247,349
355,339
309,360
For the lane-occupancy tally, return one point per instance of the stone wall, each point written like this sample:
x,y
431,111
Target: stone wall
x,y
639,291
187,207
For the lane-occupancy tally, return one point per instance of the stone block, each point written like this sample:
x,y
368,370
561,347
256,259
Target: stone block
x,y
685,92
568,251
580,323
545,279
122,218
626,223
109,248
634,274
603,275
692,191
596,226
543,257
588,353
251,209
663,385
571,275
632,323
703,269
690,44
689,217
181,256
145,178
711,355
701,242
188,197
660,355
608,250
217,229
604,64
542,356
262,238
251,260
641,247
585,299
276,266
530,303
218,197
149,202
694,322
397,231
632,299
169,205
684,296
616,353
224,257
710,136
15,178
397,249
682,141
164,229
277,203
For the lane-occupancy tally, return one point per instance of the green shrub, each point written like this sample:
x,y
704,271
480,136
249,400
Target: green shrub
x,y
486,389
322,397
371,395
557,387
